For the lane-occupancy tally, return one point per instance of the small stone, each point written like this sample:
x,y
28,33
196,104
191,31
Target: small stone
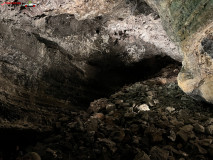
x,y
130,115
111,113
201,149
119,101
187,128
179,145
109,143
156,101
183,135
110,107
64,119
145,116
209,129
118,135
158,153
74,113
53,152
98,116
160,88
32,156
205,142
135,139
125,105
146,27
170,109
151,104
150,93
92,124
184,98
171,158
134,128
162,80
172,136
143,107
199,128
186,132
142,156
209,121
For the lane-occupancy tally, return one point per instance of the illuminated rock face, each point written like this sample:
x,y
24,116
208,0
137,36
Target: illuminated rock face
x,y
190,24
61,52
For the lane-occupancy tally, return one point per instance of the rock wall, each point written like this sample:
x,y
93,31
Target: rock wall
x,y
52,54
190,24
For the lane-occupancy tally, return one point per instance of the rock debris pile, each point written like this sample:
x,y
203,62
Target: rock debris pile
x,y
149,120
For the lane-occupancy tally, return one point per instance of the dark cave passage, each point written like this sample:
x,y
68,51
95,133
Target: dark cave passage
x,y
14,141
113,74
94,80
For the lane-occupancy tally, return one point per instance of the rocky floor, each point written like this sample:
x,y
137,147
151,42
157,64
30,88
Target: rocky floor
x,y
148,120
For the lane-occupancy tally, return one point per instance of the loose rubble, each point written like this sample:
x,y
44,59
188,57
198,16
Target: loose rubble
x,y
147,120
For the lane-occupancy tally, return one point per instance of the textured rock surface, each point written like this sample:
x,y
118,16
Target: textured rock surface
x,y
127,133
56,53
190,24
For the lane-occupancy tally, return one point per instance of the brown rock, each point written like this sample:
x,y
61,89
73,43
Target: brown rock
x,y
110,107
142,156
108,143
158,154
98,116
118,135
199,128
32,156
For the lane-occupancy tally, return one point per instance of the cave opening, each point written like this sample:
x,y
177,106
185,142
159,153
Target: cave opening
x,y
111,76
77,86
114,74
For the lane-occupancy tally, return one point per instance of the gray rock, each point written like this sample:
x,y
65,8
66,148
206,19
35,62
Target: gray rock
x,y
199,128
119,101
172,135
187,128
109,143
118,135
92,124
110,107
209,129
170,109
205,142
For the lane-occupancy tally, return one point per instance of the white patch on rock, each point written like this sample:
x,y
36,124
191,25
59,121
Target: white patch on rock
x,y
147,32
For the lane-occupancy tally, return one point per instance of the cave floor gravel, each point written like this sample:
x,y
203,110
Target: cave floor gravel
x,y
148,120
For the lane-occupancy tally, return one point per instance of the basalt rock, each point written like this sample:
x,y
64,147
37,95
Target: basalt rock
x,y
190,24
62,53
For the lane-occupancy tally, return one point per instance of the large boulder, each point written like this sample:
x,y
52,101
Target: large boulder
x,y
190,25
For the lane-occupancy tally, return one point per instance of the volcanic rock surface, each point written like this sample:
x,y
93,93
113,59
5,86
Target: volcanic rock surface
x,y
148,120
67,53
190,24
58,56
